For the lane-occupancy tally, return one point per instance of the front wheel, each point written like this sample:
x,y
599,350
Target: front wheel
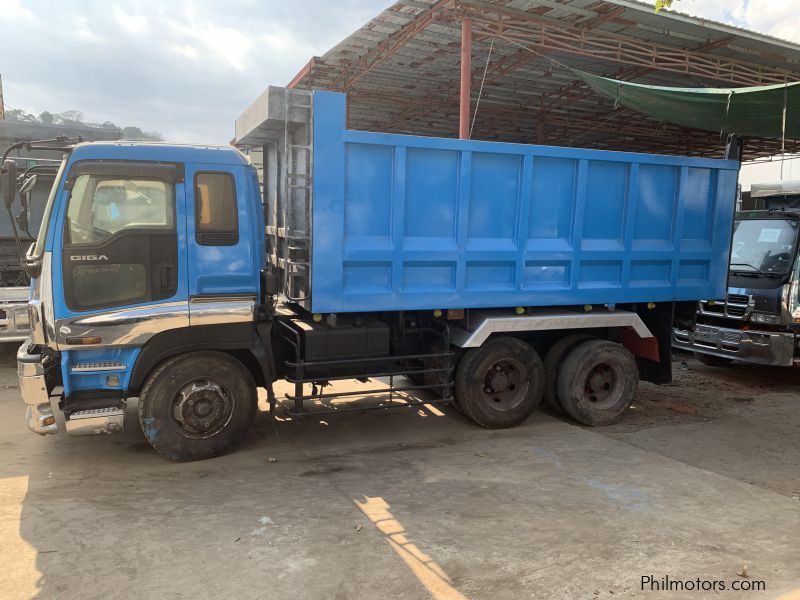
x,y
499,384
197,405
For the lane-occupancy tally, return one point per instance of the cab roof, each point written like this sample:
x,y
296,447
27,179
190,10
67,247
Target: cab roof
x,y
156,151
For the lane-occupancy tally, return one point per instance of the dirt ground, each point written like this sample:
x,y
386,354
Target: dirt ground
x,y
699,482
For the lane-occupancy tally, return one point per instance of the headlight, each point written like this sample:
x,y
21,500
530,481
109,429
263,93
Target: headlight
x,y
765,318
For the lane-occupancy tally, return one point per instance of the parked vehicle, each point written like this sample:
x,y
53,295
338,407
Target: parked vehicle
x,y
34,183
491,274
757,321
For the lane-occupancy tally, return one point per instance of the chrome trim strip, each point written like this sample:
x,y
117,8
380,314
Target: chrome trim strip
x,y
127,326
215,310
48,305
745,308
41,305
758,347
89,367
96,421
544,320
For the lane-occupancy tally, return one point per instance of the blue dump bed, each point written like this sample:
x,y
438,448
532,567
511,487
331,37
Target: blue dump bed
x,y
405,222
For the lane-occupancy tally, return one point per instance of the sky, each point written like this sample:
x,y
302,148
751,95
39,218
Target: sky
x,y
188,68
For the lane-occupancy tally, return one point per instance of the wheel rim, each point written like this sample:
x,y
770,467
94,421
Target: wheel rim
x,y
601,386
202,408
505,384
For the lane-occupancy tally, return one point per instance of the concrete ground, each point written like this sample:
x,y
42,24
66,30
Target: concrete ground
x,y
701,480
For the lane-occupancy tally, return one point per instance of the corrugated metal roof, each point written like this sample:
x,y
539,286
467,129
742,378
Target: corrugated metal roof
x,y
401,70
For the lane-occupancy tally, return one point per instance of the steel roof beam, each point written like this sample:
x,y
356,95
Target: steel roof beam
x,y
531,30
352,73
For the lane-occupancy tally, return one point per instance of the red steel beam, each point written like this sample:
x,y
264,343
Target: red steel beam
x,y
501,68
303,72
464,105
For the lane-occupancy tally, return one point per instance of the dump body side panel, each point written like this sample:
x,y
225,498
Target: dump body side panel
x,y
407,222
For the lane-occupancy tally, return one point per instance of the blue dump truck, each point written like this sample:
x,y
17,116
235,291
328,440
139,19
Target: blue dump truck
x,y
757,321
487,275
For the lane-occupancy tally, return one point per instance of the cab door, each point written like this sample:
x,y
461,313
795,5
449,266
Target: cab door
x,y
123,235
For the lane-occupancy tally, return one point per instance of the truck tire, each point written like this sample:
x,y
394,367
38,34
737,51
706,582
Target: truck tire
x,y
499,384
713,361
197,405
552,363
597,382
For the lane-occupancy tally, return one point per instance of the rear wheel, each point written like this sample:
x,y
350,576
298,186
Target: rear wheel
x,y
197,405
597,382
713,361
499,384
552,363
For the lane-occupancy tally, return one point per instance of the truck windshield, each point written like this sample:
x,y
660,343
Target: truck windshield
x,y
763,245
38,249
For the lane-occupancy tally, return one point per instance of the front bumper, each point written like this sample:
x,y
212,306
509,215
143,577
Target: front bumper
x,y
758,347
33,386
14,324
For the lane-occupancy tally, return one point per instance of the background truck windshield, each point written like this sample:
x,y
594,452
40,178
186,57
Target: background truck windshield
x,y
765,245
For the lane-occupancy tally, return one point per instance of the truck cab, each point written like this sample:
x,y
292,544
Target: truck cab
x,y
759,318
144,239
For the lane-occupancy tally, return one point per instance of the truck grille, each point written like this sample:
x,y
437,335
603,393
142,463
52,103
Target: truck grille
x,y
735,306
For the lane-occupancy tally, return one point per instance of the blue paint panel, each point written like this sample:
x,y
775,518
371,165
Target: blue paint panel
x,y
490,275
368,191
600,273
97,380
606,198
494,196
655,206
540,274
651,273
367,277
695,272
432,191
699,200
407,222
553,189
426,276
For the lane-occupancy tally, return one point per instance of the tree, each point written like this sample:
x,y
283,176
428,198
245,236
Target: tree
x,y
75,117
17,114
71,117
132,133
663,4
135,133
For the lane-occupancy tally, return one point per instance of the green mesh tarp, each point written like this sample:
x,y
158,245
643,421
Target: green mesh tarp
x,y
749,111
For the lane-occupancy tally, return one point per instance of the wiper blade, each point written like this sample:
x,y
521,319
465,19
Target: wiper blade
x,y
755,270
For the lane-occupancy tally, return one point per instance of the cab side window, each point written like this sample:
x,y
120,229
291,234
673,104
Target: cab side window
x,y
216,222
100,207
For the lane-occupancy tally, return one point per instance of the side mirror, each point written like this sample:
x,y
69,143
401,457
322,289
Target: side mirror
x,y
27,187
24,218
9,182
